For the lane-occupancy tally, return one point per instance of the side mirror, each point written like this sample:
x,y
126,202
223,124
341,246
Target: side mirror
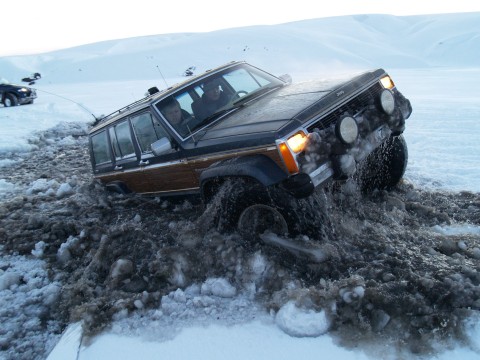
x,y
161,146
287,78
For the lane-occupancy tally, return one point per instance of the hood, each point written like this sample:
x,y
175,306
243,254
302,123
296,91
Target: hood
x,y
273,111
10,85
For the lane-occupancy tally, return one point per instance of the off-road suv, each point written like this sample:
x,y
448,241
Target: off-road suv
x,y
13,95
267,140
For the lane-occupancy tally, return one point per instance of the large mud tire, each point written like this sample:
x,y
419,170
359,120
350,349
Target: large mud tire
x,y
250,208
384,167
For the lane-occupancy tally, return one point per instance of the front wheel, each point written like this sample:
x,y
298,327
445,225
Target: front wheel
x,y
259,218
10,100
246,206
384,167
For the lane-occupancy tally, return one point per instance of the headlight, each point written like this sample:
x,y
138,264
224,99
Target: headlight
x,y
387,101
297,142
347,130
23,90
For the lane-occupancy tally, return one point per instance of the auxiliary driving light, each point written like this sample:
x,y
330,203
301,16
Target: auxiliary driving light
x,y
387,102
347,130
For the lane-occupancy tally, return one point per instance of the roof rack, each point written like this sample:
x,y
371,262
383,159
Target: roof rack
x,y
128,107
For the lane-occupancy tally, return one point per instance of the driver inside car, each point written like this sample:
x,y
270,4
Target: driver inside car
x,y
180,119
213,98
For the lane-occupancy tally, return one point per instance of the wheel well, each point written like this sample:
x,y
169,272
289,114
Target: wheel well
x,y
211,186
258,169
118,187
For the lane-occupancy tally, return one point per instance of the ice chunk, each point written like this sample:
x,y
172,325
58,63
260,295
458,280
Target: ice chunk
x,y
379,320
6,186
301,322
179,296
121,268
41,185
218,287
258,264
63,254
138,304
64,190
352,295
8,279
39,249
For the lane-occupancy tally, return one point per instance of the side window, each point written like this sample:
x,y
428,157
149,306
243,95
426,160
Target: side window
x,y
121,140
147,130
185,101
100,148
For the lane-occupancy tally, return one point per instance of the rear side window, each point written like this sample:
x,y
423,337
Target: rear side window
x,y
147,130
122,140
100,148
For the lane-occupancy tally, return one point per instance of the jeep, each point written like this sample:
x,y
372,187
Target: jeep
x,y
13,95
261,141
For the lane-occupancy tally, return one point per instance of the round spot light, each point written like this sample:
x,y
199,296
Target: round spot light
x,y
347,130
387,102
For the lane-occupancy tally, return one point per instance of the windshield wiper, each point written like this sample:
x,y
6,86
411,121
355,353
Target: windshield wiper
x,y
209,119
255,93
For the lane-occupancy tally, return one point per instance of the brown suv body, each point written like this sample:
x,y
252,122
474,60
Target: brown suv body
x,y
293,136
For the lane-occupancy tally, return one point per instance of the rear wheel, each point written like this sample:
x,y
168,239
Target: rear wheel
x,y
10,100
384,167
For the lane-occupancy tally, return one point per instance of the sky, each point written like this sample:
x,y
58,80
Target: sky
x,y
43,26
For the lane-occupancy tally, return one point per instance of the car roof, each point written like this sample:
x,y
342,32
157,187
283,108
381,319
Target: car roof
x,y
145,102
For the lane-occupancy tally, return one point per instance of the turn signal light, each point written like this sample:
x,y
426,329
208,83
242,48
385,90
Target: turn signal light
x,y
288,158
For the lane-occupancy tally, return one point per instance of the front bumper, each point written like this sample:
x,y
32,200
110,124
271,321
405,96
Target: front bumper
x,y
27,97
325,157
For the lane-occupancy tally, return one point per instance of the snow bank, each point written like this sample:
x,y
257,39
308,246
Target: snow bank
x,y
26,293
300,322
5,186
458,229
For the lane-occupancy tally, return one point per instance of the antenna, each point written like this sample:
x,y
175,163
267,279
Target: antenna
x,y
63,97
162,76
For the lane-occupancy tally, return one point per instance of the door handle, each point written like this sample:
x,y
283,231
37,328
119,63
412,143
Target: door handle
x,y
118,167
144,162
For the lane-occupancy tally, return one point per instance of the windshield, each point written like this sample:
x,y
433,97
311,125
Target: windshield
x,y
4,81
201,103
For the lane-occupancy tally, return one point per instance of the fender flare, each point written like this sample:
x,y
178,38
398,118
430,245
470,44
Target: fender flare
x,y
257,167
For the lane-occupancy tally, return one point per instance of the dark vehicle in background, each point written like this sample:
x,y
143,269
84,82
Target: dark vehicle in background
x,y
263,151
13,95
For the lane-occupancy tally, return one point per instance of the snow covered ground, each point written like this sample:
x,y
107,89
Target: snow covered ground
x,y
58,264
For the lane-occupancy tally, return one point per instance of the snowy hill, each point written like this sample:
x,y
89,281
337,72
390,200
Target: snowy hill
x,y
328,44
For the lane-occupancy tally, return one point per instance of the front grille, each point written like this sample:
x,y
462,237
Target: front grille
x,y
352,107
